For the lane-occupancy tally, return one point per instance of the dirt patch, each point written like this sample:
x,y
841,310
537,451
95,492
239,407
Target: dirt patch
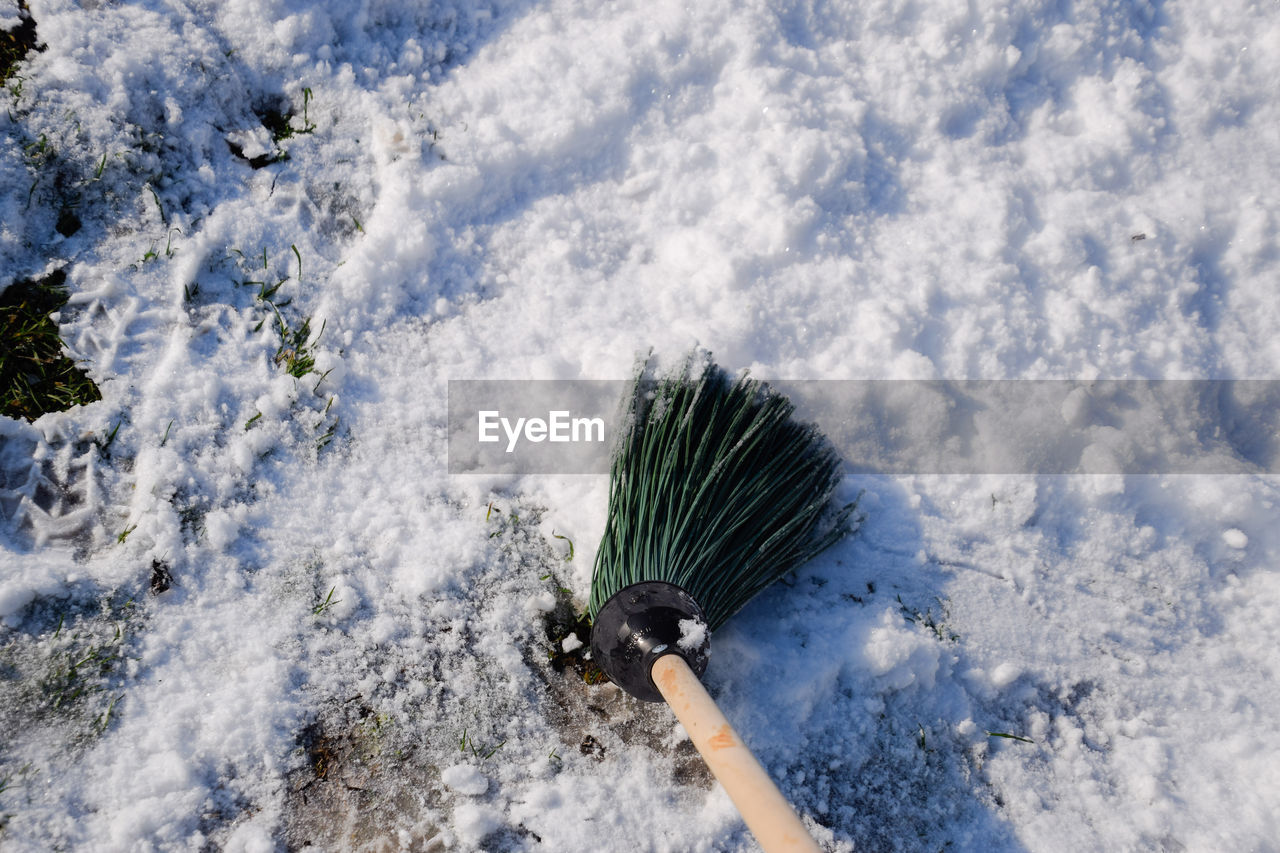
x,y
592,714
357,791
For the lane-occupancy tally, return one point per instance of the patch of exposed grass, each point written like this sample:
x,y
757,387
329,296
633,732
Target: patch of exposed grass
x,y
560,624
70,673
295,353
297,340
76,668
64,677
279,122
328,602
35,376
15,44
482,751
938,625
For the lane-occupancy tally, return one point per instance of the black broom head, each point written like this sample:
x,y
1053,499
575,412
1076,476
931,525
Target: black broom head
x,y
716,490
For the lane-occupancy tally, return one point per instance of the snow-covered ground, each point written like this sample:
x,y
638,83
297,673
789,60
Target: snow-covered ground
x,y
246,609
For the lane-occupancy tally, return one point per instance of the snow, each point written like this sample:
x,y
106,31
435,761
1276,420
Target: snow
x,y
1235,538
9,15
896,656
474,823
509,190
465,779
693,634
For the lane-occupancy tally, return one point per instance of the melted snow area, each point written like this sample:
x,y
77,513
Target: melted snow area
x,y
244,607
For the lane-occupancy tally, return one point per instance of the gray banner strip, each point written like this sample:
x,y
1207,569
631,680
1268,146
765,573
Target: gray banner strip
x,y
910,426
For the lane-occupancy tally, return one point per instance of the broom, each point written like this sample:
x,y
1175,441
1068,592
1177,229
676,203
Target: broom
x,y
715,492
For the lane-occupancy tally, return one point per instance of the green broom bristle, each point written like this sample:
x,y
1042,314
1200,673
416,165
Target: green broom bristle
x,y
716,489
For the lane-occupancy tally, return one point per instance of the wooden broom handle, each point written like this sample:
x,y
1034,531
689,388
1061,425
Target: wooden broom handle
x,y
767,813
